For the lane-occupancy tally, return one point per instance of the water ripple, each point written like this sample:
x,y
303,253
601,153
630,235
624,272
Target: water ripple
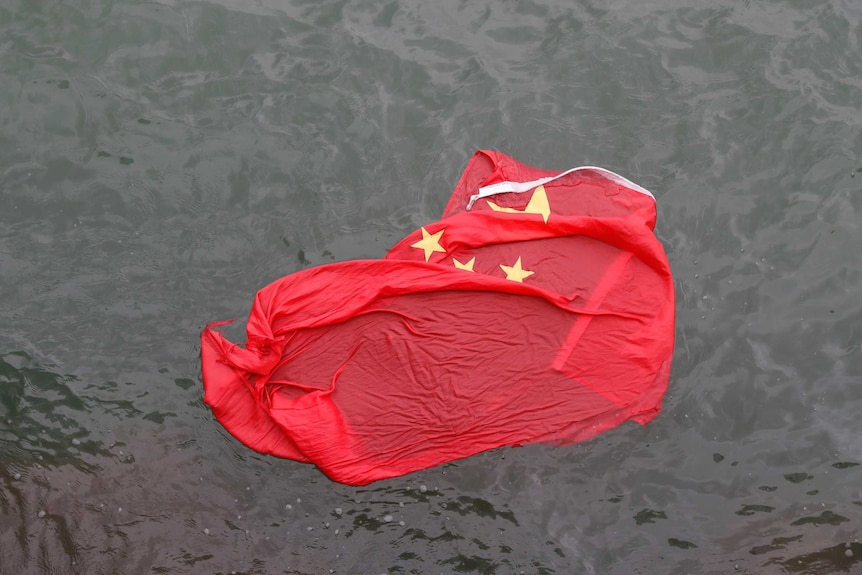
x,y
161,161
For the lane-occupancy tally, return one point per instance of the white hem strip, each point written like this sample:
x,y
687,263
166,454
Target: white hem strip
x,y
521,187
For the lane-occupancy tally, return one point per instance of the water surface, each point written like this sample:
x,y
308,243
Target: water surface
x,y
161,161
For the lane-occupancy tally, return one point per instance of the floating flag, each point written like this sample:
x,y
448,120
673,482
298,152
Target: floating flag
x,y
540,308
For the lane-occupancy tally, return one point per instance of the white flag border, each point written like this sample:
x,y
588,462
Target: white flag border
x,y
521,187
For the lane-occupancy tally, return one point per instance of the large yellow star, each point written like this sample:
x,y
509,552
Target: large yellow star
x,y
429,243
516,273
538,204
468,266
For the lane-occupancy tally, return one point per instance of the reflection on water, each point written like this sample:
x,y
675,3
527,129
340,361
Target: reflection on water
x,y
160,161
40,416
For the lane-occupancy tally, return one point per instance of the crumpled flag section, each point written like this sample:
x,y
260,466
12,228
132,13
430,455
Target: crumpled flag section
x,y
373,369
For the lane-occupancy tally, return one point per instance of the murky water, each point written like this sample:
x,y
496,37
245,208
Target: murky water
x,y
161,161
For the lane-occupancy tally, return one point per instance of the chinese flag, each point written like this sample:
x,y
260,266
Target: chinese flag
x,y
539,309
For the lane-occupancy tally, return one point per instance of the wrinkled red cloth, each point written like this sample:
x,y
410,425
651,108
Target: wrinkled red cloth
x,y
539,309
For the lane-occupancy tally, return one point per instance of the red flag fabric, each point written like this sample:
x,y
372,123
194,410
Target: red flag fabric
x,y
539,309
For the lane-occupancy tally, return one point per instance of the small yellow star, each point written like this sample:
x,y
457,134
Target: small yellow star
x,y
516,273
429,243
538,204
468,266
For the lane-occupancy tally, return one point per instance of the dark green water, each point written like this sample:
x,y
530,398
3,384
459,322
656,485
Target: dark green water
x,y
161,161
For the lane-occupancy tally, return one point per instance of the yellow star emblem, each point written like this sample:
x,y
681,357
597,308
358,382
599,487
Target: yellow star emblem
x,y
538,204
429,243
516,273
468,266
